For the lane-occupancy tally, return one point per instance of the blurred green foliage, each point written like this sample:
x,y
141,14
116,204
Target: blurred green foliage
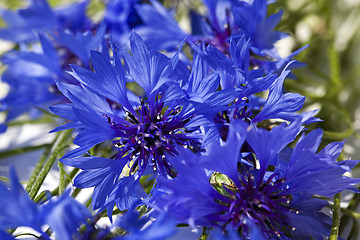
x,y
331,79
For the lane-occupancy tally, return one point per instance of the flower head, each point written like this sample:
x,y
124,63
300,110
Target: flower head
x,y
237,184
159,29
120,18
63,214
142,129
223,21
32,72
253,23
38,17
144,227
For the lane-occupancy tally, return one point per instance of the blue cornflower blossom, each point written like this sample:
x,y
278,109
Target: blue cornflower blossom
x,y
200,131
159,29
38,17
225,32
120,18
224,20
139,228
252,22
142,130
63,214
235,70
232,234
31,74
131,225
246,181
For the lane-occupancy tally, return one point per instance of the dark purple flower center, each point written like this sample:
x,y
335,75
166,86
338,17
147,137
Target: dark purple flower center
x,y
266,204
221,35
147,136
241,111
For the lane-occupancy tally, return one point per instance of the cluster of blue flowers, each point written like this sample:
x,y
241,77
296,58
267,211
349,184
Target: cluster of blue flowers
x,y
171,126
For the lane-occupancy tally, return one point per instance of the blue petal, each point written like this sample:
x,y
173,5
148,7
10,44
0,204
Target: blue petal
x,y
279,137
310,221
160,30
3,128
65,111
214,157
87,163
126,192
91,178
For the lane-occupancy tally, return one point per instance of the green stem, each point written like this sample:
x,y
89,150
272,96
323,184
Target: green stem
x,y
71,175
76,192
62,178
4,179
351,213
335,73
66,135
336,218
88,202
205,233
43,196
18,151
338,136
39,166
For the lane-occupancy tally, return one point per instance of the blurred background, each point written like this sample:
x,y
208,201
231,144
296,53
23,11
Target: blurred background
x,y
331,80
